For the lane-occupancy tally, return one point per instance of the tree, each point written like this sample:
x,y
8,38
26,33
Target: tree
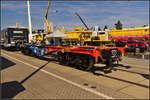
x,y
144,25
105,27
99,29
118,25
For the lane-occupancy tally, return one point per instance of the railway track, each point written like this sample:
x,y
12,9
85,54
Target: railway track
x,y
122,80
130,71
136,69
130,68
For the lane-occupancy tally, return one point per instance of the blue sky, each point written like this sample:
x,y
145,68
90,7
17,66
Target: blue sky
x,y
130,13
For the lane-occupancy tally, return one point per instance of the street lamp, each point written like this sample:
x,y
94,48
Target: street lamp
x,y
29,20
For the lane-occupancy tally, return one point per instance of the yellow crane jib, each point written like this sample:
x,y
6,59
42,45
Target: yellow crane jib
x,y
46,18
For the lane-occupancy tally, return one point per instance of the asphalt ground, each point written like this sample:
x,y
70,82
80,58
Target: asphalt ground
x,y
25,77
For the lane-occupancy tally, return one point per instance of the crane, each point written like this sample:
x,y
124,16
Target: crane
x,y
41,36
46,18
82,20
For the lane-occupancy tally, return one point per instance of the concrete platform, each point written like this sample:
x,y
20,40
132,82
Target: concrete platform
x,y
27,77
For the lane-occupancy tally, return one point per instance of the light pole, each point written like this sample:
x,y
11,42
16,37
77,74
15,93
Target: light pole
x,y
29,20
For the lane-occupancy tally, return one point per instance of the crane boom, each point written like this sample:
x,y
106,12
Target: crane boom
x,y
46,18
49,4
82,21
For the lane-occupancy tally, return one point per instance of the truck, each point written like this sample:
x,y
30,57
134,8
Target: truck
x,y
12,38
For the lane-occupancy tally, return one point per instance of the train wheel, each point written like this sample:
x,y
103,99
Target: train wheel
x,y
63,59
137,50
87,63
32,54
26,52
60,57
67,59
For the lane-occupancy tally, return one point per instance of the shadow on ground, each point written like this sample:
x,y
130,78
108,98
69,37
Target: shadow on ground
x,y
147,76
119,79
121,65
33,73
47,59
11,89
5,63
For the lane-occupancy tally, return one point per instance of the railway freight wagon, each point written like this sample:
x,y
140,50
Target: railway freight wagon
x,y
136,33
83,57
14,37
135,38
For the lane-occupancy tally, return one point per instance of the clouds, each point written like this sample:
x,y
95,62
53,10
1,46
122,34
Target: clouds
x,y
131,13
108,12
